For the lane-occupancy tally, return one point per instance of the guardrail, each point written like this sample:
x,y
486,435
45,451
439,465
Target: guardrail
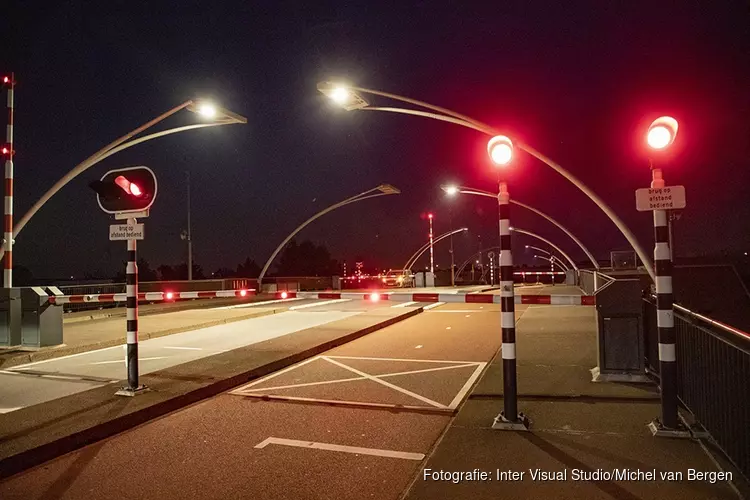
x,y
713,380
592,281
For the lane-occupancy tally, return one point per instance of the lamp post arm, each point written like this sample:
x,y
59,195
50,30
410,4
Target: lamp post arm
x,y
533,235
562,228
560,263
465,121
477,124
425,114
467,261
361,196
90,162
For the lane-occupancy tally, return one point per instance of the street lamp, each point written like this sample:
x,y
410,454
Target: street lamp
x,y
218,116
548,242
452,190
661,134
355,101
546,252
381,190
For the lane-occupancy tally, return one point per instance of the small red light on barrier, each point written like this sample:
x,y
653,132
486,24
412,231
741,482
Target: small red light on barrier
x,y
169,295
243,293
284,295
374,297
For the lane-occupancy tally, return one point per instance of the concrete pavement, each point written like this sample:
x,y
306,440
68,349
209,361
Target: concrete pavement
x,y
311,432
45,430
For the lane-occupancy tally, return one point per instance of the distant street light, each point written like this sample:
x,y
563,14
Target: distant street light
x,y
354,101
219,116
416,255
539,250
548,242
381,190
452,190
661,134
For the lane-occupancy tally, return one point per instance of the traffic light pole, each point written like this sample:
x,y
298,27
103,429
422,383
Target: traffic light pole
x,y
509,418
131,289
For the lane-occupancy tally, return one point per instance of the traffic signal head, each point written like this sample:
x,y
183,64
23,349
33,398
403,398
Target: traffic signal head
x,y
126,190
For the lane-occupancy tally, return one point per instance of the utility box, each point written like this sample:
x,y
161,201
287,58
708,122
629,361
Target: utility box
x,y
336,283
41,322
620,341
10,316
424,279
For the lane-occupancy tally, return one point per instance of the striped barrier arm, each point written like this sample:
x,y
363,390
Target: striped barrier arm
x,y
149,296
469,298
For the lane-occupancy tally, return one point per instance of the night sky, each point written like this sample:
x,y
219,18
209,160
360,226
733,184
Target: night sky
x,y
579,81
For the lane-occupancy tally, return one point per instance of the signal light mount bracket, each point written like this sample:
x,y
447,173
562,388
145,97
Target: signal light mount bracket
x,y
130,215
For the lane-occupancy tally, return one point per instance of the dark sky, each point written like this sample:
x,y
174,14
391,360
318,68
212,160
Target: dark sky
x,y
578,81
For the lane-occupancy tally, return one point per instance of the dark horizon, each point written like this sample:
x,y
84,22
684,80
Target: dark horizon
x,y
579,84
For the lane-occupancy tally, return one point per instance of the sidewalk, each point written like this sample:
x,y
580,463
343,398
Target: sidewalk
x,y
80,336
36,434
578,427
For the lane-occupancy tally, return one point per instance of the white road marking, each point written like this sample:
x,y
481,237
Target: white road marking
x,y
419,346
8,410
467,385
447,327
467,315
63,357
425,308
274,375
325,302
8,372
122,360
387,384
254,304
404,359
405,304
450,311
185,348
337,447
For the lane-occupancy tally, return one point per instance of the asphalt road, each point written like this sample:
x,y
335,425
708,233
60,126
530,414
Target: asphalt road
x,y
34,383
352,423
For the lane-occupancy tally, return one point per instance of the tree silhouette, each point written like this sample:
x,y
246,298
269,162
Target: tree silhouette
x,y
248,269
305,259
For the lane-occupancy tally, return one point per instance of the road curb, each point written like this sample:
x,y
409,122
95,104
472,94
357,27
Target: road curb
x,y
27,459
33,356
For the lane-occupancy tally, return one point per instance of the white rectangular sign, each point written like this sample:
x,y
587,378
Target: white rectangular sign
x,y
125,232
666,198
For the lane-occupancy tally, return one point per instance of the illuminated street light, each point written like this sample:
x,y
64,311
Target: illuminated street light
x,y
500,149
221,117
450,190
662,132
357,102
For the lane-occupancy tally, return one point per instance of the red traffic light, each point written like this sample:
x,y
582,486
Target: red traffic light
x,y
429,216
6,79
126,190
129,187
662,132
5,150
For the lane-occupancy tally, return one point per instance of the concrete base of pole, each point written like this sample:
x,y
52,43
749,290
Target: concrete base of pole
x,y
636,378
658,430
130,392
521,423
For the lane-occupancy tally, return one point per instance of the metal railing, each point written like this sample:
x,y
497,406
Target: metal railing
x,y
592,281
713,381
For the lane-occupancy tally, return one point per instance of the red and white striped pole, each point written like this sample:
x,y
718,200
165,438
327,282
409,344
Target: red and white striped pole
x,y
432,255
8,205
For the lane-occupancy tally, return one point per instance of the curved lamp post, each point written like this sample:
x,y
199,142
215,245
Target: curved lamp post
x,y
453,190
468,261
381,190
416,255
216,115
539,249
349,98
534,235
